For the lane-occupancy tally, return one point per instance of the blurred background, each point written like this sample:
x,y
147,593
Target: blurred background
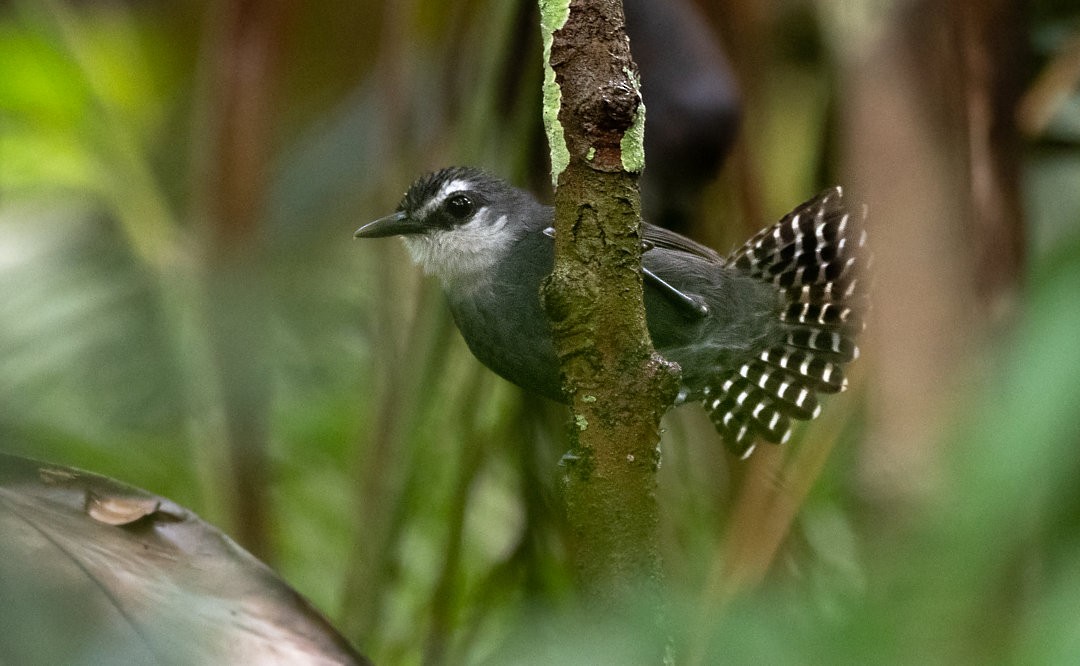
x,y
182,307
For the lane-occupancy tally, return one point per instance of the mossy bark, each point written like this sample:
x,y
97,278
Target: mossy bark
x,y
619,387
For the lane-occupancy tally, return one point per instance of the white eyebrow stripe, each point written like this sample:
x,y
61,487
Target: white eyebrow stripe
x,y
448,188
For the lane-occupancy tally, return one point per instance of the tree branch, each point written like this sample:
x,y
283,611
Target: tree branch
x,y
619,387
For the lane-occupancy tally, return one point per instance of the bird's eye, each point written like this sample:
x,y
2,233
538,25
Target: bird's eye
x,y
460,206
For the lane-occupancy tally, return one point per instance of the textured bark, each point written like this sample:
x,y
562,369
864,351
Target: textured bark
x,y
618,385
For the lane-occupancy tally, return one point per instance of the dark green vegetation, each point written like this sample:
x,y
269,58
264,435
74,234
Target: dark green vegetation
x,y
182,308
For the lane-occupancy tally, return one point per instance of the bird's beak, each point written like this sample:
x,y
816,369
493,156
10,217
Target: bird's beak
x,y
398,224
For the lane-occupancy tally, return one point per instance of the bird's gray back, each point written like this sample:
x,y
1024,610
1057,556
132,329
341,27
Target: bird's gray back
x,y
743,316
505,326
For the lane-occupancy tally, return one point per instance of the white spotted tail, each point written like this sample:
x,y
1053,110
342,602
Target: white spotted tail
x,y
815,255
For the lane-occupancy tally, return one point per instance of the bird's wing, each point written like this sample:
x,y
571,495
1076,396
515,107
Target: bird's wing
x,y
653,237
660,237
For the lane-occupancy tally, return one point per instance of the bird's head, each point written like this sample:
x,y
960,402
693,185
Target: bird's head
x,y
456,222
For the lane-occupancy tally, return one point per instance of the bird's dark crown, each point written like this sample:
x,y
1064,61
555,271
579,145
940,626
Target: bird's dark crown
x,y
431,185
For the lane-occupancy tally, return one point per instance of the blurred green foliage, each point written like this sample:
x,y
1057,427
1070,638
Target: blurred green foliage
x,y
412,496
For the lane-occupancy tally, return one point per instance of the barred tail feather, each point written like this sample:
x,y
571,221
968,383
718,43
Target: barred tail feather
x,y
742,412
816,257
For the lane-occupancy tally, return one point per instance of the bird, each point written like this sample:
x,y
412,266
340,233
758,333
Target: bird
x,y
758,334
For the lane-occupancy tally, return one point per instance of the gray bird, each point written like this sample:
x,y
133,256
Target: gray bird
x,y
758,334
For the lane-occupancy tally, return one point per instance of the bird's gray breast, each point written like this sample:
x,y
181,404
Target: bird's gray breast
x,y
503,322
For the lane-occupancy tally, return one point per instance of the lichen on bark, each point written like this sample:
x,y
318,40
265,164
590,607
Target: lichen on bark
x,y
553,16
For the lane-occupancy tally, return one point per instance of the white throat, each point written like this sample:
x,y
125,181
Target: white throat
x,y
464,252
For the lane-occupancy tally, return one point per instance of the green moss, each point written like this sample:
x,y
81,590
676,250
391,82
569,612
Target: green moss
x,y
553,16
632,146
